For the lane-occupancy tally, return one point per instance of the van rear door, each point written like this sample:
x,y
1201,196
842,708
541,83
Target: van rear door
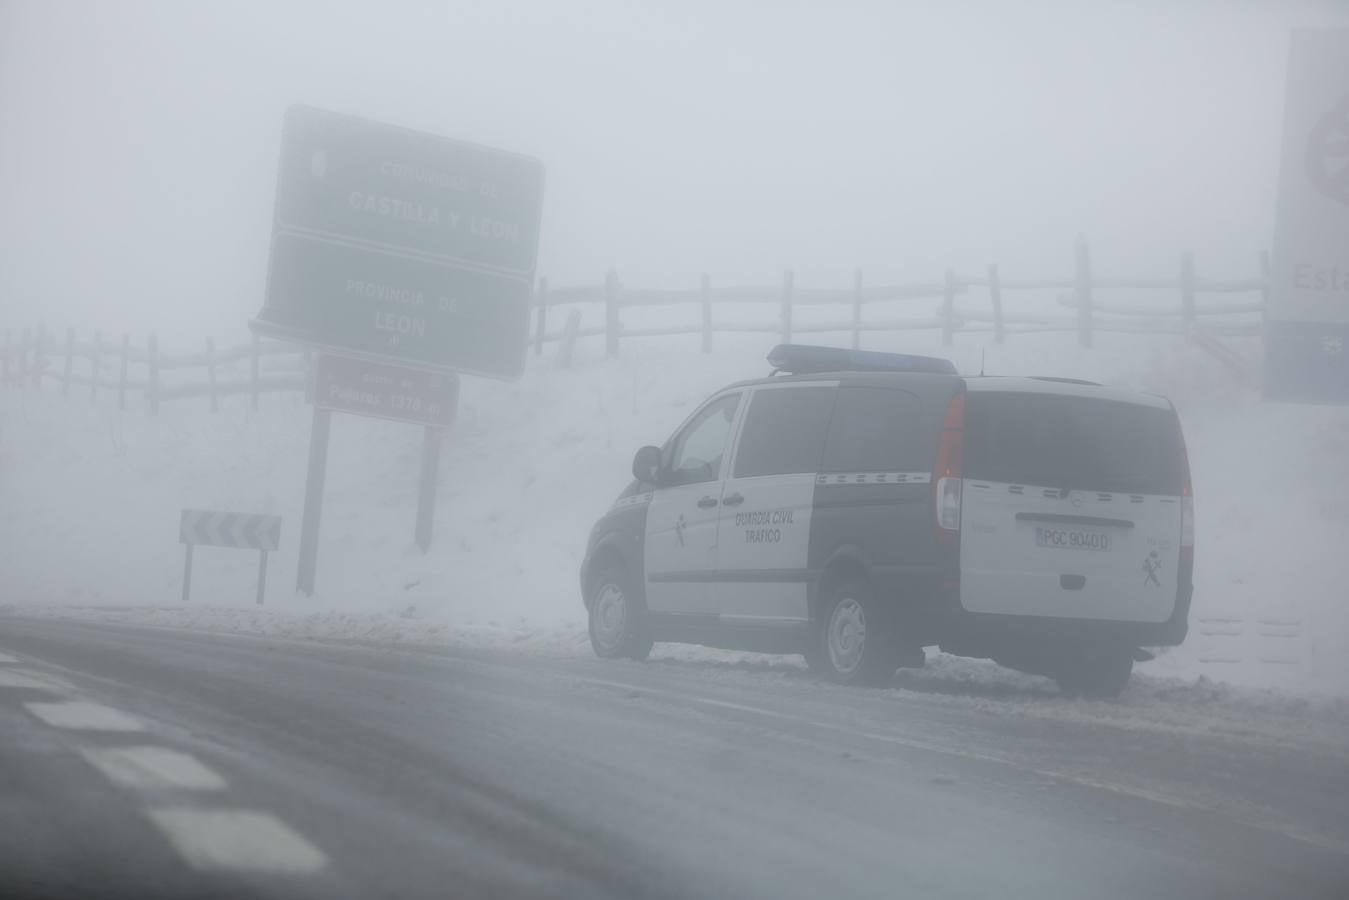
x,y
1071,506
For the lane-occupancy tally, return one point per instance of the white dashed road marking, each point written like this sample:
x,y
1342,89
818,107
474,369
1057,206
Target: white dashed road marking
x,y
16,678
207,839
84,716
23,678
237,839
153,768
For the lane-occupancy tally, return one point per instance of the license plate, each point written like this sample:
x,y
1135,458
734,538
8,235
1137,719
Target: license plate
x,y
1071,539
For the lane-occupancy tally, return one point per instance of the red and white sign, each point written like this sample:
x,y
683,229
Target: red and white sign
x,y
347,384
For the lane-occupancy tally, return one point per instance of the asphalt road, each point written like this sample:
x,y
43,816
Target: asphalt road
x,y
156,763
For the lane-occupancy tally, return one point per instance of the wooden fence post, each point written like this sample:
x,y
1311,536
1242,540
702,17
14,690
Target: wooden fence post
x,y
310,375
707,313
38,367
70,361
857,309
569,334
995,297
254,372
612,325
152,377
1264,276
23,356
95,365
541,317
948,308
126,364
1083,279
788,279
1187,290
210,374
12,372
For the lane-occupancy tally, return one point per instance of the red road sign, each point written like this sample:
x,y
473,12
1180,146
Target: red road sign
x,y
346,384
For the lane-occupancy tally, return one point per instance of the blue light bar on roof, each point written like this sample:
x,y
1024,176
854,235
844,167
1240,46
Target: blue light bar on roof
x,y
803,359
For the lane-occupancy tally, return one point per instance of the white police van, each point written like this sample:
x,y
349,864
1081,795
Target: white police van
x,y
857,506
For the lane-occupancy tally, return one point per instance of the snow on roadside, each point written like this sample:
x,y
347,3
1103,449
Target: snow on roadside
x,y
1153,701
406,628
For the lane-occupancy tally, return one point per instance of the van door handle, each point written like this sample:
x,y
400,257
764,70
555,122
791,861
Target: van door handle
x,y
732,500
707,502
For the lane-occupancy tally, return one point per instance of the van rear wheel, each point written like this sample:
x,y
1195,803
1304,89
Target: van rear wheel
x,y
849,646
1097,676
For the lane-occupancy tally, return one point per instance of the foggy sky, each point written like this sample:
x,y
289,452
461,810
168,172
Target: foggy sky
x,y
139,141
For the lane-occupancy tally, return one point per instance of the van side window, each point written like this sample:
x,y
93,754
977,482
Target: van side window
x,y
784,431
877,430
699,448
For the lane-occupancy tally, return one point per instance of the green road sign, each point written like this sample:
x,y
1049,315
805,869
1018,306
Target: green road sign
x,y
349,178
402,245
397,307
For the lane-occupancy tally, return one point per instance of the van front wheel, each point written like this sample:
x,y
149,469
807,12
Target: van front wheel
x,y
617,626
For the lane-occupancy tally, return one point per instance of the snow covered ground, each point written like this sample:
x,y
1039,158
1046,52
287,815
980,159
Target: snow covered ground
x,y
91,499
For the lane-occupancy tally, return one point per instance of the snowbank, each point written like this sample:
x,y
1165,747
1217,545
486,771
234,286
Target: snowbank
x,y
91,498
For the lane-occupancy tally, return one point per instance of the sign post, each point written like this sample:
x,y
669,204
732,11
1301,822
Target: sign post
x,y
1307,314
313,501
407,259
187,572
239,531
346,384
426,490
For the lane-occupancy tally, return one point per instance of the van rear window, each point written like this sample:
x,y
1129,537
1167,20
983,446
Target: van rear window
x,y
1072,443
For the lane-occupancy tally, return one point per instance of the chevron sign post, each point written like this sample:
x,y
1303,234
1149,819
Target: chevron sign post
x,y
240,531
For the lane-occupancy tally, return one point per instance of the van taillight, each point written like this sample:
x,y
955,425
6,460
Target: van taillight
x,y
947,473
1186,500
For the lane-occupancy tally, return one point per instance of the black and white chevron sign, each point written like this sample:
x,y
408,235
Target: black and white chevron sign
x,y
226,529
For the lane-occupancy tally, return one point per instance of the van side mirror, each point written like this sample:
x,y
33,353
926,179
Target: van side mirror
x,y
646,465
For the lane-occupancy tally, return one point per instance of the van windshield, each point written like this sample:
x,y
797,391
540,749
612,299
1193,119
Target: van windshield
x,y
1072,443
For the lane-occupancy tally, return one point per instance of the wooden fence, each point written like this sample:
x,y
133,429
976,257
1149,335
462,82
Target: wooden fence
x,y
963,304
120,367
